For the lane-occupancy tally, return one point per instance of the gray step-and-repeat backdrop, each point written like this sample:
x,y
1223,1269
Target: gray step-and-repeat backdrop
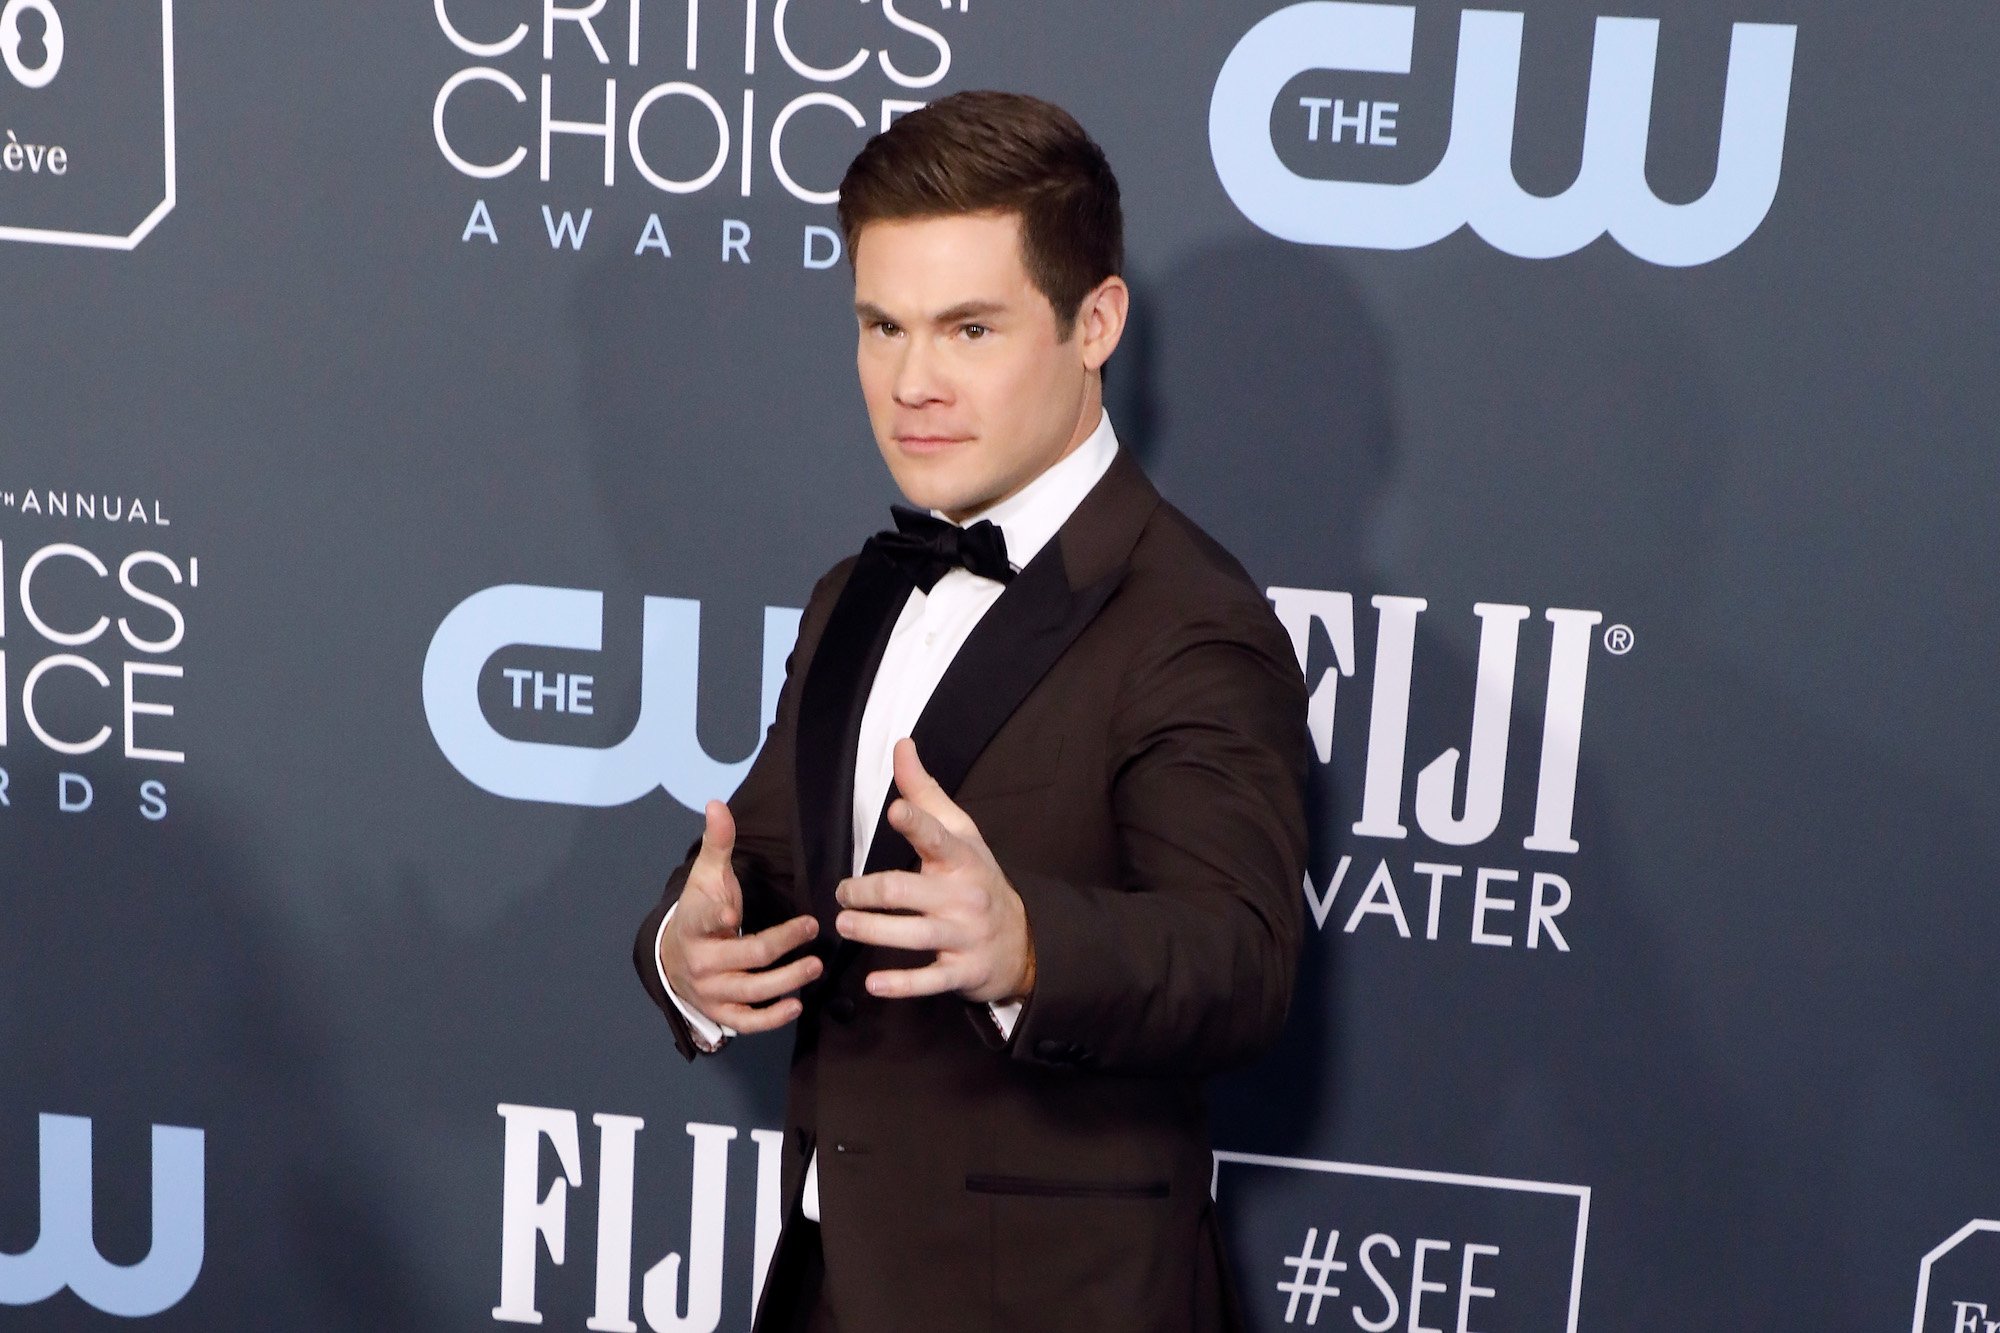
x,y
420,424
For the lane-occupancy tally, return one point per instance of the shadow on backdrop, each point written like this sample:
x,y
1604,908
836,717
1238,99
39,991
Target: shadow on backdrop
x,y
1265,389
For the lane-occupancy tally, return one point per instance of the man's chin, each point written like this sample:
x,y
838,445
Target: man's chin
x,y
933,493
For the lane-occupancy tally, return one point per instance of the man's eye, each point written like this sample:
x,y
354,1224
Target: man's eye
x,y
975,331
885,328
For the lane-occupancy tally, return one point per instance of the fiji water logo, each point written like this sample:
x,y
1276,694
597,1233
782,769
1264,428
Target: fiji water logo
x,y
1438,867
682,1291
661,750
66,1255
1474,185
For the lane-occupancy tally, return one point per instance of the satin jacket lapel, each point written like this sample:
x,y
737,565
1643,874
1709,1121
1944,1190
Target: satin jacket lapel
x,y
829,727
1020,638
1008,652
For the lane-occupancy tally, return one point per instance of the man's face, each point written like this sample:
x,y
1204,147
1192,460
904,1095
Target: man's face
x,y
970,392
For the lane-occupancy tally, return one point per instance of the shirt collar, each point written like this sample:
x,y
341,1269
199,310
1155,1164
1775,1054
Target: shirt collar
x,y
1030,516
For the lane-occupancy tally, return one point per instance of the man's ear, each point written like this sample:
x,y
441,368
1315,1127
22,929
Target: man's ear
x,y
1100,321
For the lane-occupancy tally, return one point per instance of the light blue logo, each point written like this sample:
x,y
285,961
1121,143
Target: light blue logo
x,y
65,1254
1474,183
662,749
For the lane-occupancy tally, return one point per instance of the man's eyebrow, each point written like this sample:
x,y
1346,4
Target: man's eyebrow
x,y
964,310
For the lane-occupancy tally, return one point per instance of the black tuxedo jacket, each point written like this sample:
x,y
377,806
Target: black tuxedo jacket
x,y
1126,725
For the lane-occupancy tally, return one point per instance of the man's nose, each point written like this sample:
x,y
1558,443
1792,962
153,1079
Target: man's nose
x,y
919,377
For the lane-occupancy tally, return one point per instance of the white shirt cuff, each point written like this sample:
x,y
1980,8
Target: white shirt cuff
x,y
708,1034
1005,1016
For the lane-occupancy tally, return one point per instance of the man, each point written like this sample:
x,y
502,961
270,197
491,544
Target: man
x,y
1011,972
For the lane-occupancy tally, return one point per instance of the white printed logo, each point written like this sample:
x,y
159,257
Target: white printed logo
x,y
92,651
662,749
56,184
1958,1283
530,1214
36,69
1474,184
611,94
1459,794
1384,1248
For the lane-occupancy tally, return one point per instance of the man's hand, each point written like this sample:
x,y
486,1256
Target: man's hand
x,y
958,904
725,975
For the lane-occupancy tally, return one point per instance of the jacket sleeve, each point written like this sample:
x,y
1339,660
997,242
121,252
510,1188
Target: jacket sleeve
x,y
1187,964
764,808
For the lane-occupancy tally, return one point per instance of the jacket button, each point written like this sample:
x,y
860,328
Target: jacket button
x,y
1055,1052
841,1008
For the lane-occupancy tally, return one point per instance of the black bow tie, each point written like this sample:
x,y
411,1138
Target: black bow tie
x,y
923,547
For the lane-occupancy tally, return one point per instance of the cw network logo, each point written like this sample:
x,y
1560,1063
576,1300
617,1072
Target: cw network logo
x,y
66,1255
67,178
1474,184
661,750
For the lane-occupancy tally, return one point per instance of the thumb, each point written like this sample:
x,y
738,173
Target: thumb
x,y
920,789
717,901
718,833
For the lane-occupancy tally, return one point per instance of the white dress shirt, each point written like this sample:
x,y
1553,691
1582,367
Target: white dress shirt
x,y
932,628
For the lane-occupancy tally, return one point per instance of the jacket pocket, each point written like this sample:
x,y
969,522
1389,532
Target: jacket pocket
x,y
1065,1189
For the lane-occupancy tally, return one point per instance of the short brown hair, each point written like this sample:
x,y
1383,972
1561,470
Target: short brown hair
x,y
994,152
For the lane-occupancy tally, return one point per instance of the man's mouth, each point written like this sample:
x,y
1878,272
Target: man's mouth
x,y
924,444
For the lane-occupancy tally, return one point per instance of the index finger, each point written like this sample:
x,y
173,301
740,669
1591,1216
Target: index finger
x,y
765,947
938,978
889,891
